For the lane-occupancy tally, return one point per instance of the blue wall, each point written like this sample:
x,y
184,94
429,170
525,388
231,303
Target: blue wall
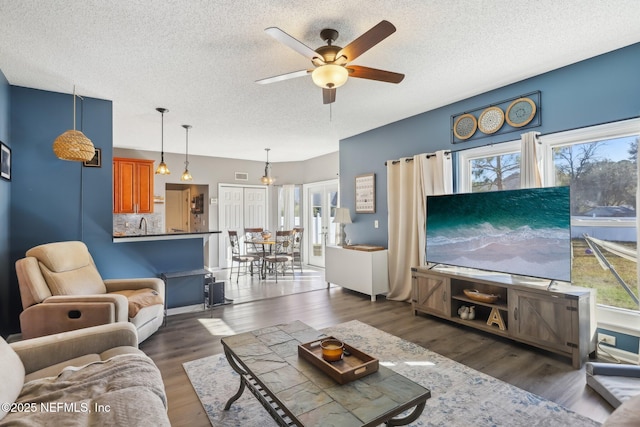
x,y
5,194
54,200
599,90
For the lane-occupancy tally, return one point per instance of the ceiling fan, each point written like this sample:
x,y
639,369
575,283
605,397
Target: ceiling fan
x,y
331,62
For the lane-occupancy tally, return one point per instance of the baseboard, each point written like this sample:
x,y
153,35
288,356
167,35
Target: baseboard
x,y
196,308
185,309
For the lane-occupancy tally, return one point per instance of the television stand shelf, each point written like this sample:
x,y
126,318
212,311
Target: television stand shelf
x,y
558,318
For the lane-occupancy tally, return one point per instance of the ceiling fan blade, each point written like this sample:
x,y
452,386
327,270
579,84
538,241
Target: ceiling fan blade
x,y
328,96
374,74
282,77
366,41
293,43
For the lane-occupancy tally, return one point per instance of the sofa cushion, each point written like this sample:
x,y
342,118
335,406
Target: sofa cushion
x,y
68,268
54,370
139,299
11,375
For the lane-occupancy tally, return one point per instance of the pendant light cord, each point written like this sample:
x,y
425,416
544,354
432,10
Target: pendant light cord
x,y
162,136
74,107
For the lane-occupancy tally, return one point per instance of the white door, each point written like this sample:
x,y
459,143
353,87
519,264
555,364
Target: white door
x,y
322,199
255,207
238,207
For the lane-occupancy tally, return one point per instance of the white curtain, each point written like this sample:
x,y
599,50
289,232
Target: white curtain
x,y
288,202
409,182
529,161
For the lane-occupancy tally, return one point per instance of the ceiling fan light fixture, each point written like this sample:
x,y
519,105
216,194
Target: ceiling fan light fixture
x,y
330,76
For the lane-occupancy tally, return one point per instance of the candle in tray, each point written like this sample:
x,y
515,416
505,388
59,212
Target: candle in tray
x,y
332,350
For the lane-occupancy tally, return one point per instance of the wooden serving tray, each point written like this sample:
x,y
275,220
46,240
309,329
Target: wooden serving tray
x,y
352,367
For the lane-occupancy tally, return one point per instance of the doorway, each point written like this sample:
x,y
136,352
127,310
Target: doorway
x,y
321,203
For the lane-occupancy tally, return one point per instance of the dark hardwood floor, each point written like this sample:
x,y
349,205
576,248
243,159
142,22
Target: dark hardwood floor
x,y
195,335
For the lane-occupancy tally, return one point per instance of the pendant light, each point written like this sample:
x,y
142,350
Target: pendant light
x,y
267,179
162,167
186,176
73,145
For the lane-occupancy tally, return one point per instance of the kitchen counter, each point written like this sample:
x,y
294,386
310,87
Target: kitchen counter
x,y
164,236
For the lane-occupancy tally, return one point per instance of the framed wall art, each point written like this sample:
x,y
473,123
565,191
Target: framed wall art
x,y
5,162
366,193
96,160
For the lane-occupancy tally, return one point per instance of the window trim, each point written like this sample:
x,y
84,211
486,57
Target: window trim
x,y
613,130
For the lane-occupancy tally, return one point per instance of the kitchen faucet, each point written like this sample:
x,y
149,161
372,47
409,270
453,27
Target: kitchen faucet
x,y
143,220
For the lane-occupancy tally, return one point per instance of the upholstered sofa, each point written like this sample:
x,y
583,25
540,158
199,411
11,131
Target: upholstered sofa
x,y
62,290
91,376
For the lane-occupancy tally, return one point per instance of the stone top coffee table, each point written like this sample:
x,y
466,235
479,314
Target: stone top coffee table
x,y
297,393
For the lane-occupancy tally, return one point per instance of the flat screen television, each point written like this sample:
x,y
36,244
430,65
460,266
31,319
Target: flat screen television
x,y
523,232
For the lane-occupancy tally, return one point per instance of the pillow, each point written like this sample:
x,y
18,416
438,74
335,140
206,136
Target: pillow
x,y
11,375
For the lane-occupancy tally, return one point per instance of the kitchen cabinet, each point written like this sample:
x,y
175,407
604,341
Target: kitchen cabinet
x,y
132,185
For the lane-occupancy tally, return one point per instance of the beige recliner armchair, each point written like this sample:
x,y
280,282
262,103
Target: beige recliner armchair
x,y
62,290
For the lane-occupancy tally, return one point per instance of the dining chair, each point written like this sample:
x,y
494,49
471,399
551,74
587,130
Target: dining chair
x,y
297,246
241,259
282,253
251,234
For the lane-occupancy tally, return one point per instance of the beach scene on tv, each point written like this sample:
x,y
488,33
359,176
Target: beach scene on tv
x,y
523,232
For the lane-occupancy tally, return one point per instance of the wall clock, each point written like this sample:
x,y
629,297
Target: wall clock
x,y
520,112
465,126
491,120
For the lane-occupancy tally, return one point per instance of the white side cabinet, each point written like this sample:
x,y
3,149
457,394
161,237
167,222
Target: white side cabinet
x,y
357,270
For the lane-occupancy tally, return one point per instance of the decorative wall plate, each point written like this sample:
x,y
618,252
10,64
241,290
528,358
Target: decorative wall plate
x,y
520,112
491,120
465,126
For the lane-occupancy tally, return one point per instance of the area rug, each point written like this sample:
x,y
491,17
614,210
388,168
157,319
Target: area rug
x,y
460,396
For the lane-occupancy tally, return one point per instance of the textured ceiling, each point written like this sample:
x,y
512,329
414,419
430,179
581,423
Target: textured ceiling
x,y
200,59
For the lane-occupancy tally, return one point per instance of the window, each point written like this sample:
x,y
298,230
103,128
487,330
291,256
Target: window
x,y
601,169
600,165
289,204
496,167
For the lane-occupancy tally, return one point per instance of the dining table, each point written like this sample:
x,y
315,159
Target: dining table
x,y
265,243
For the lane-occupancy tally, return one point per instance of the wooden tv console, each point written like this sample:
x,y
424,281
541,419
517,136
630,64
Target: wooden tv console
x,y
559,318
